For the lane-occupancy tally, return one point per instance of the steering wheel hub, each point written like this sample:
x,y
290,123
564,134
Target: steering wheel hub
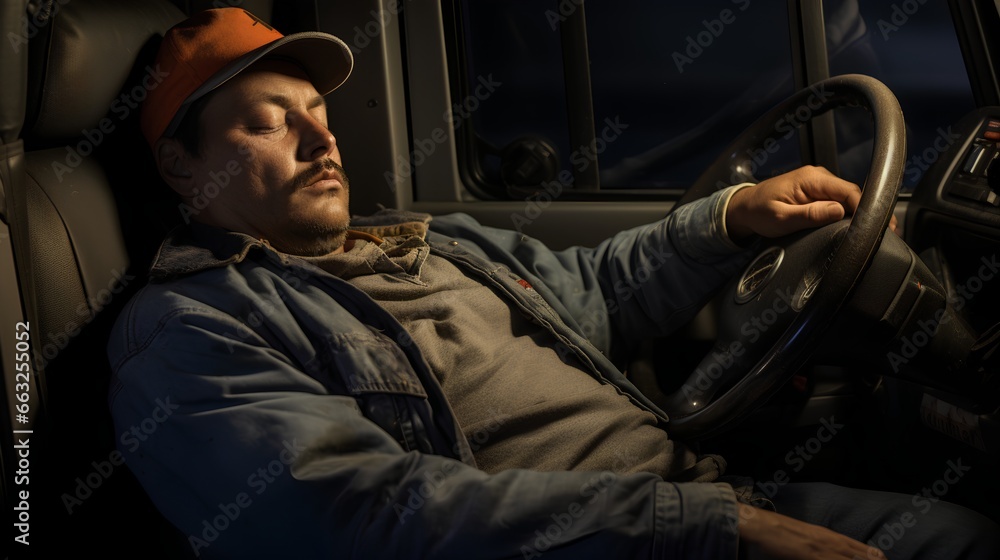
x,y
758,274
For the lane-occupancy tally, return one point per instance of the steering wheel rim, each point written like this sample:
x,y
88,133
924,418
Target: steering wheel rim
x,y
839,255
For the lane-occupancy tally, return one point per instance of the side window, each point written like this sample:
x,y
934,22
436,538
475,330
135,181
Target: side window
x,y
672,83
911,47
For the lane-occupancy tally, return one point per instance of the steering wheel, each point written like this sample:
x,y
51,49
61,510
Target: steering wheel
x,y
775,313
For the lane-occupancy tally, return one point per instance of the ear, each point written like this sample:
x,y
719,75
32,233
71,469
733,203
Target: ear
x,y
174,164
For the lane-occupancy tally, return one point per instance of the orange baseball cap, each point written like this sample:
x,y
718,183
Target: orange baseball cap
x,y
204,51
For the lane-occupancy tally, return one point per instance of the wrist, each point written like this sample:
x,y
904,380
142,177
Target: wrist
x,y
734,213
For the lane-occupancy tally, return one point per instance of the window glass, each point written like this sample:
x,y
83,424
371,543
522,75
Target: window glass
x,y
910,46
511,43
673,83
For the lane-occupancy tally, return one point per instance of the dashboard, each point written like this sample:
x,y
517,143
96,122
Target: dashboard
x,y
953,223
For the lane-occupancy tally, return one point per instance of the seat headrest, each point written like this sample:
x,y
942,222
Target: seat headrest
x,y
14,61
81,60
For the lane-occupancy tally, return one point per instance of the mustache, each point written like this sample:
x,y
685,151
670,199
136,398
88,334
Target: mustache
x,y
309,175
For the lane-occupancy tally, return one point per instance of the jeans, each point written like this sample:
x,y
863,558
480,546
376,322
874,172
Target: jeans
x,y
902,525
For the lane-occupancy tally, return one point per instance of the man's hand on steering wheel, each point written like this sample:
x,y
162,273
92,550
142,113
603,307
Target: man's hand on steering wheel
x,y
801,282
805,198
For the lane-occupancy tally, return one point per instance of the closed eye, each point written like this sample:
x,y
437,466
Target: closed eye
x,y
264,129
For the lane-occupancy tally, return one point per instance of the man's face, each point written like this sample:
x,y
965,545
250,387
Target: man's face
x,y
269,123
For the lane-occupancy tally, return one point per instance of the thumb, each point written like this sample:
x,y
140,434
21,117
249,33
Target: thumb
x,y
814,214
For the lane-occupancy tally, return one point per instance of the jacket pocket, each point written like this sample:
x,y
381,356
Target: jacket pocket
x,y
373,369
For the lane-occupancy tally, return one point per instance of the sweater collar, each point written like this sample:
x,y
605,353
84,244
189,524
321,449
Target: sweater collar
x,y
195,247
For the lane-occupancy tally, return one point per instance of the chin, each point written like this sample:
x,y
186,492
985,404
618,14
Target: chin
x,y
315,238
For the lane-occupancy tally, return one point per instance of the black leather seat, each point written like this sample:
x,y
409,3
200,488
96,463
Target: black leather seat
x,y
84,216
81,215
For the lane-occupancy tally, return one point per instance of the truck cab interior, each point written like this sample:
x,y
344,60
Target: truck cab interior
x,y
871,357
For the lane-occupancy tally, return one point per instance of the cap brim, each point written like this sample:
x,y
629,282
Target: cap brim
x,y
326,59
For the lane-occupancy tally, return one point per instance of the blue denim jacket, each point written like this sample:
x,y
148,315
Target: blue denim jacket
x,y
273,410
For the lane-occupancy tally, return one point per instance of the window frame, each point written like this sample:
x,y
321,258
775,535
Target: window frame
x,y
809,62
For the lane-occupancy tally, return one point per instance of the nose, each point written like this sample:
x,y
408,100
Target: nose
x,y
316,141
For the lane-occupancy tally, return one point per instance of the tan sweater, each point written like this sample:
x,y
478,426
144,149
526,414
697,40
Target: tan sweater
x,y
518,403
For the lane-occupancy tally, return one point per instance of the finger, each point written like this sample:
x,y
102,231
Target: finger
x,y
861,551
847,547
811,215
872,553
823,185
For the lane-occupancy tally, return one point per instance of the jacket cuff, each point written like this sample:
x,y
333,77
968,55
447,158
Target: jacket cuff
x,y
720,215
700,226
696,520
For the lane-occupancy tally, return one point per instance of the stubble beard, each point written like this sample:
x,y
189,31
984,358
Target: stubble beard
x,y
318,238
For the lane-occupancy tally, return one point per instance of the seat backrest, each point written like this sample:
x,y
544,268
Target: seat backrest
x,y
82,236
85,213
13,62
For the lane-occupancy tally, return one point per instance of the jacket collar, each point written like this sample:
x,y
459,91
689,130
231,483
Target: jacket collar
x,y
195,247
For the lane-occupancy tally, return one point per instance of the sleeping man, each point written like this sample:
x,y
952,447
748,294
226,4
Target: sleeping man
x,y
397,386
